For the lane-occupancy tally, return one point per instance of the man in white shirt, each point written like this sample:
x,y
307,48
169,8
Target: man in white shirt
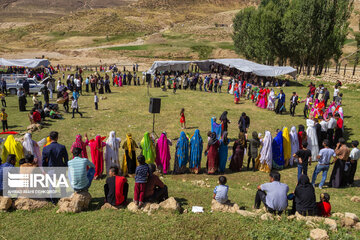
x,y
336,93
324,128
330,129
354,157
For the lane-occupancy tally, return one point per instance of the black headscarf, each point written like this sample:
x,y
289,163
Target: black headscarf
x,y
225,138
305,198
213,139
223,116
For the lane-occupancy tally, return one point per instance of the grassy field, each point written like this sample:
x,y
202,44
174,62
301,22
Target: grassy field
x,y
126,110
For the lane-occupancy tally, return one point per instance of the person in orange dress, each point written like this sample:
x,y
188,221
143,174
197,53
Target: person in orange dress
x,y
182,119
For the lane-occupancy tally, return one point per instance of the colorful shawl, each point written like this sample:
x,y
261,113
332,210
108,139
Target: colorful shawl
x,y
278,151
182,149
148,149
12,147
286,145
196,144
216,128
163,153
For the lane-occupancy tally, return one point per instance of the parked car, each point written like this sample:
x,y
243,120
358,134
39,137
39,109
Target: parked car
x,y
35,86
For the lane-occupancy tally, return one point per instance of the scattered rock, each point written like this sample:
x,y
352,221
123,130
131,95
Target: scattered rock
x,y
348,222
267,217
103,98
318,234
310,224
357,226
185,211
170,204
29,204
200,183
246,213
259,211
299,217
77,202
331,223
5,203
132,207
108,206
34,127
355,199
291,217
338,214
352,216
314,219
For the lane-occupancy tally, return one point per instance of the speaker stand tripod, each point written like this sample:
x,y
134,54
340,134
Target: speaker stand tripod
x,y
153,129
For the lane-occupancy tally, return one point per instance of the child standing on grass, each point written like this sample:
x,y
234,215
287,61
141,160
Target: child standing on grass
x,y
142,173
75,107
221,191
182,119
3,101
3,117
96,100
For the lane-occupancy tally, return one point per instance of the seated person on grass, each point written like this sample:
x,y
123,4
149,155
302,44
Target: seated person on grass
x,y
156,190
272,194
221,191
80,177
116,188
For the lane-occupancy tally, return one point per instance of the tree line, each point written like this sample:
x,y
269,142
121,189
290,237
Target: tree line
x,y
307,34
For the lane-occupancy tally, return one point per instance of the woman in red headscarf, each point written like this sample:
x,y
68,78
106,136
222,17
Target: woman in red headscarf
x,y
79,143
97,155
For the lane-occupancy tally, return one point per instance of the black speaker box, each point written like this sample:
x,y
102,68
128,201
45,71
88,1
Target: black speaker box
x,y
155,104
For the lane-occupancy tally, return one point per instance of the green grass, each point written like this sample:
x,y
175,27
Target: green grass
x,y
126,110
204,51
130,48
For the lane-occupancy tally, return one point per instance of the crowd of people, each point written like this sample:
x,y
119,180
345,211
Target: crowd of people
x,y
322,141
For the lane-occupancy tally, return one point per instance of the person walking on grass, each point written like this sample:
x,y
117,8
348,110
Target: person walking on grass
x,y
182,119
96,101
3,117
75,107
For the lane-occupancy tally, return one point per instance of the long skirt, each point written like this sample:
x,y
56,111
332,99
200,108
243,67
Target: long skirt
x,y
177,168
337,175
237,160
131,162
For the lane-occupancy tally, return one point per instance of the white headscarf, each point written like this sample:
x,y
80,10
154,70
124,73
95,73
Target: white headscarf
x,y
312,139
32,147
266,151
112,151
294,139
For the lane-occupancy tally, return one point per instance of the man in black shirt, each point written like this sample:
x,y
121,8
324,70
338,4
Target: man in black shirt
x,y
304,159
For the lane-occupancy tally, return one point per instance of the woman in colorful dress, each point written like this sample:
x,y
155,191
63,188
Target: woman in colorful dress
x,y
266,153
196,147
238,153
278,151
182,154
97,155
212,152
163,153
223,152
79,143
148,149
129,161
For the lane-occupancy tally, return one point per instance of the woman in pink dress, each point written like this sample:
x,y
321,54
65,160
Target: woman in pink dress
x,y
163,153
262,101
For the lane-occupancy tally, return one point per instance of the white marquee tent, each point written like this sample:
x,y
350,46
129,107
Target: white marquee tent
x,y
29,63
240,64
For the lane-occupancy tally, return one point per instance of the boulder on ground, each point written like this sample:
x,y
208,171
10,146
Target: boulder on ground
x,y
355,199
267,217
5,203
331,223
299,217
132,207
348,222
151,207
338,215
227,207
34,127
319,234
77,202
29,204
108,206
352,216
170,204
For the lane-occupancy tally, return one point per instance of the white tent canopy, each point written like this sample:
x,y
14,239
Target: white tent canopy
x,y
29,63
240,64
